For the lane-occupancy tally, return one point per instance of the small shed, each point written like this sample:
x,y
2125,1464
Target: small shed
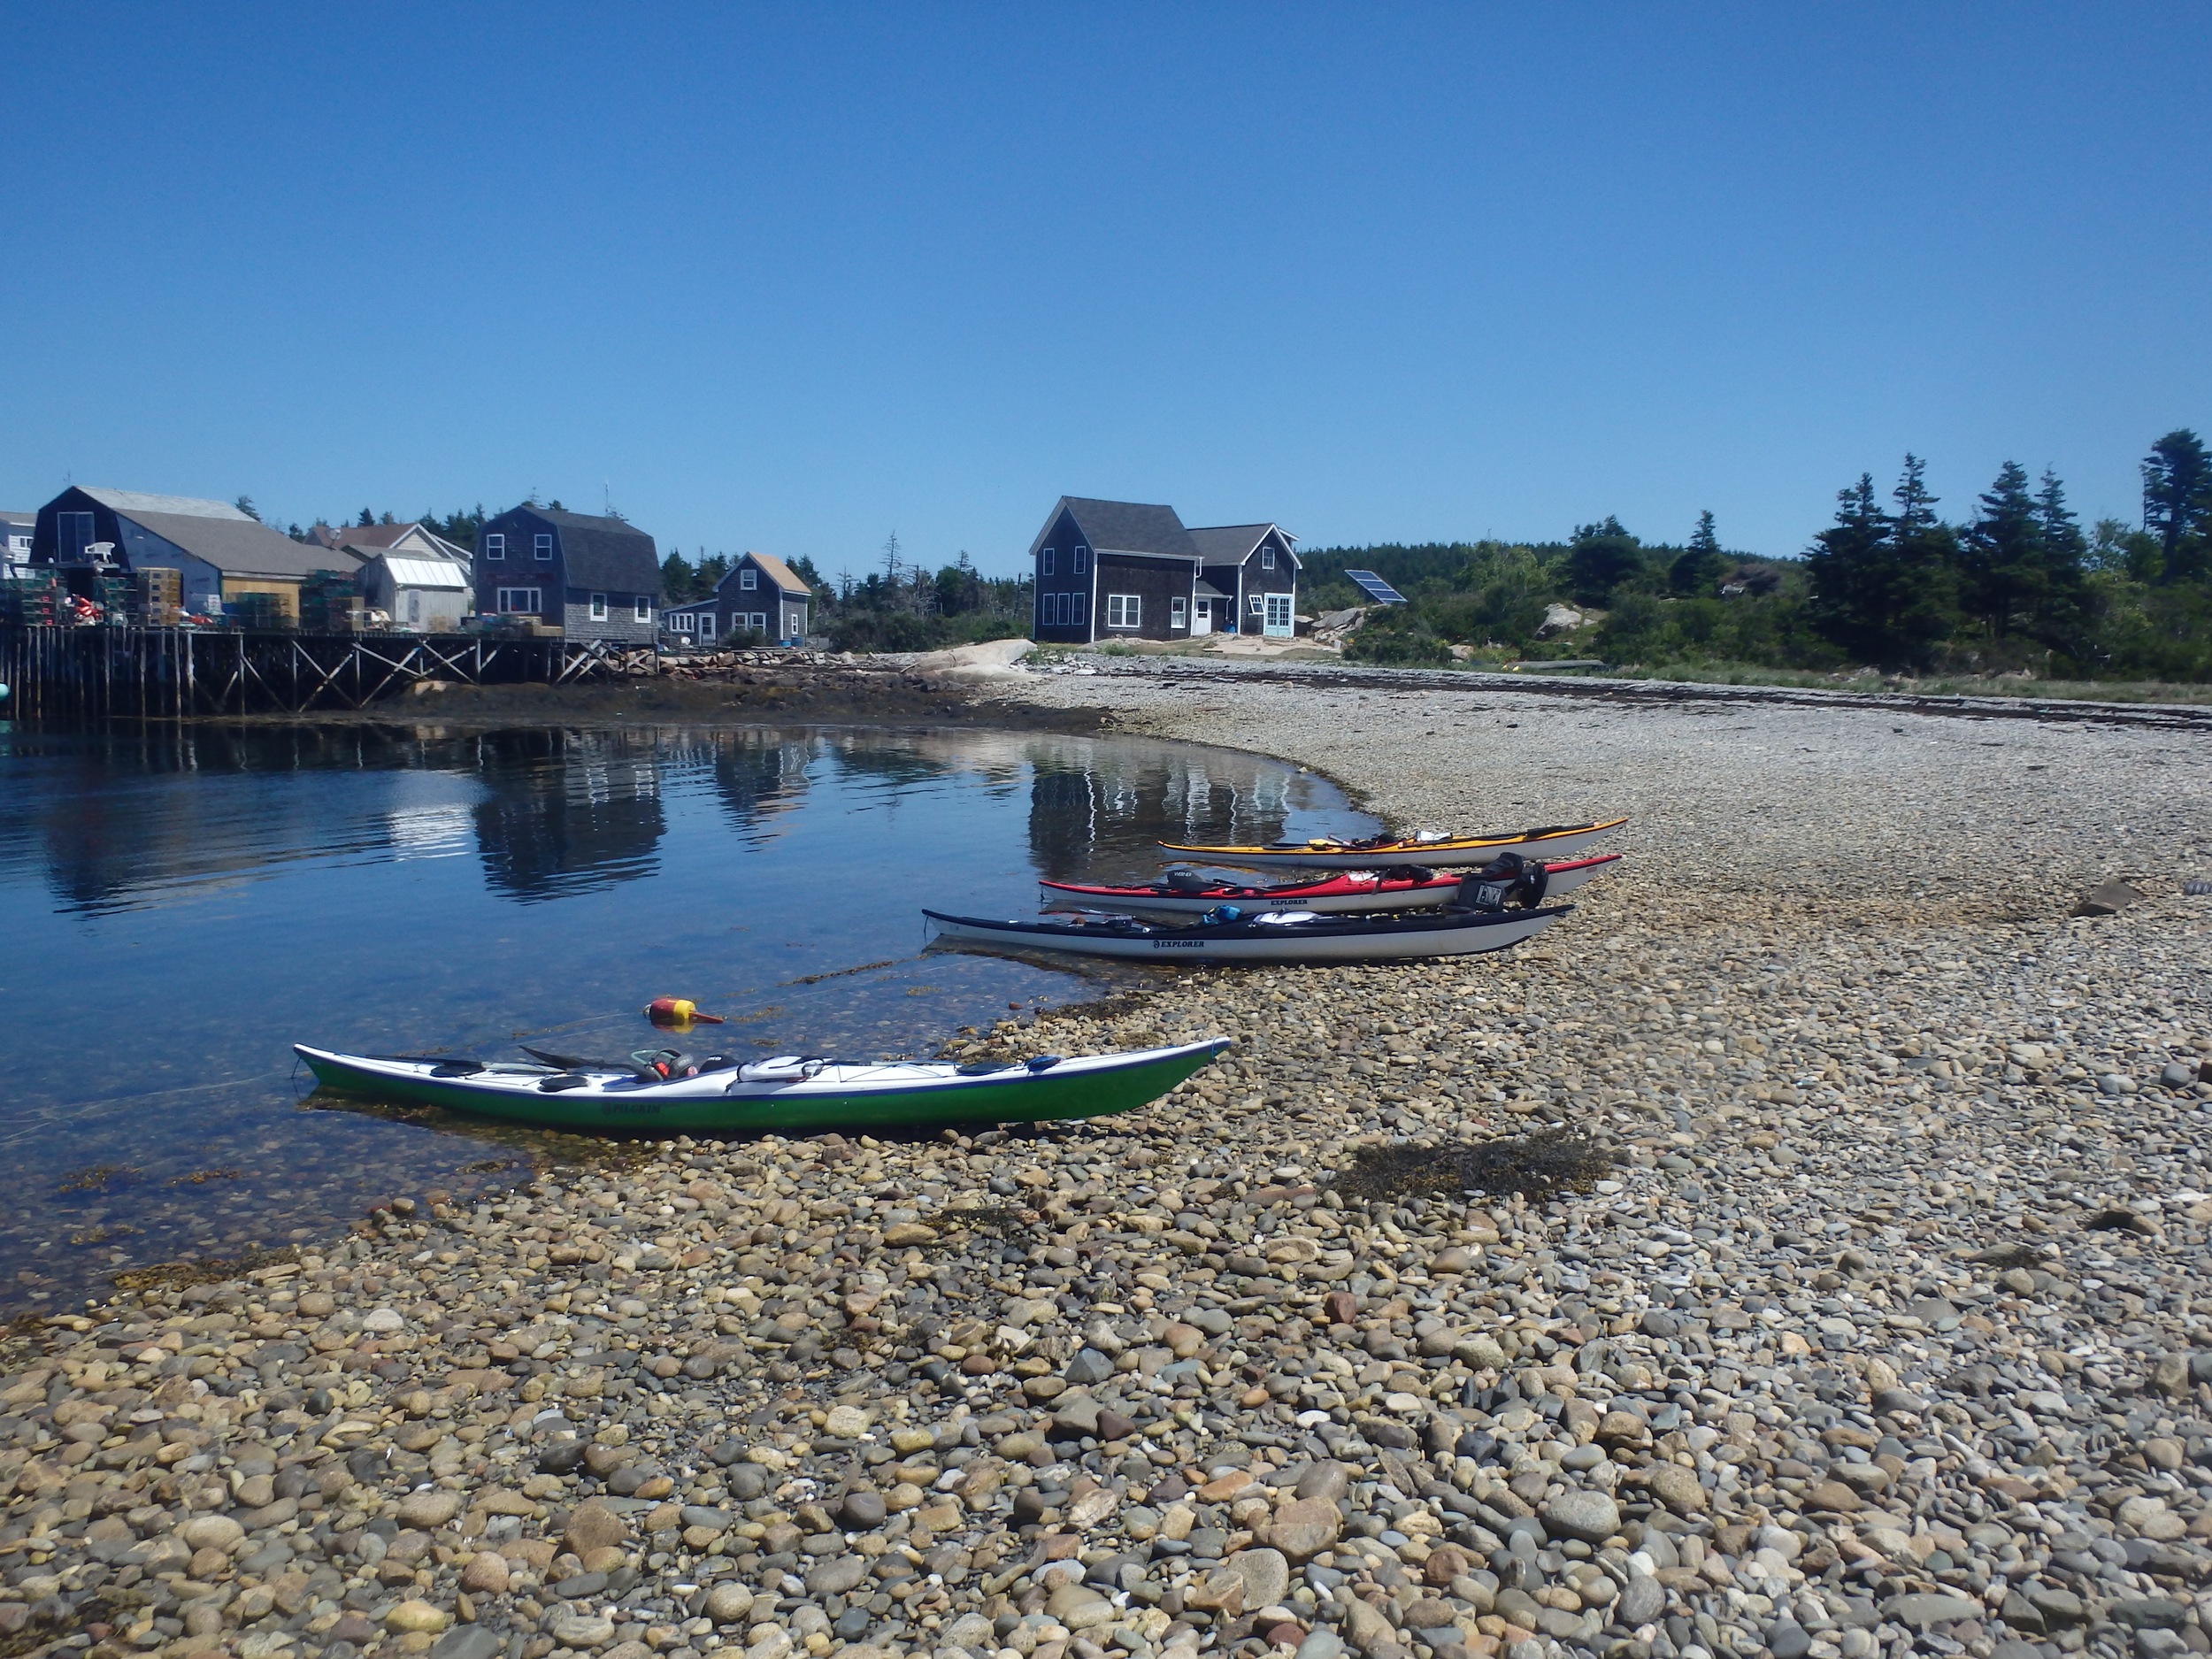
x,y
420,594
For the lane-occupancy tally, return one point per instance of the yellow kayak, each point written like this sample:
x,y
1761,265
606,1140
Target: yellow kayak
x,y
1328,853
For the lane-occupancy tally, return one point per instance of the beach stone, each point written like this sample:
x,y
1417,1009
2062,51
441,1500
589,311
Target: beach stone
x,y
1921,1610
903,1234
1642,1599
1321,1642
593,1526
428,1510
486,1574
415,1616
1591,1516
1305,1527
571,1629
728,1602
1786,1638
837,1575
469,1641
845,1423
864,1510
1327,1479
1266,1576
1088,1366
212,1532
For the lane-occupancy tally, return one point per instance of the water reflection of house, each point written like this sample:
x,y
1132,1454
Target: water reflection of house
x,y
568,812
758,775
1103,808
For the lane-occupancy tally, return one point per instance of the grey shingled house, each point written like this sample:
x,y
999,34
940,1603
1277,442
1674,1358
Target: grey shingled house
x,y
593,578
1130,570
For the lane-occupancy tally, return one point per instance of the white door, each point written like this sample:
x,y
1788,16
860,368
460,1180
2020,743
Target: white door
x,y
1277,623
1201,617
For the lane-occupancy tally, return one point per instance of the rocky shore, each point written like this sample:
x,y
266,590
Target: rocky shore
x,y
1872,1318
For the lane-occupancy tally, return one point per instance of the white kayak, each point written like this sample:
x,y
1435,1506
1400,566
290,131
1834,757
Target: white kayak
x,y
1273,936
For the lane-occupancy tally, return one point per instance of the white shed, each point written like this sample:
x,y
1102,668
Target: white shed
x,y
421,595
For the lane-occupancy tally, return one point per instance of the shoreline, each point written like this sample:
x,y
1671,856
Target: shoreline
x,y
1056,1393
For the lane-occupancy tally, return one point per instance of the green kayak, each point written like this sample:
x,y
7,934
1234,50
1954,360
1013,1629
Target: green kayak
x,y
789,1095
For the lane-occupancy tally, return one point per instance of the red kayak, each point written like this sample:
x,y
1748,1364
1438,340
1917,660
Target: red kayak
x,y
1402,887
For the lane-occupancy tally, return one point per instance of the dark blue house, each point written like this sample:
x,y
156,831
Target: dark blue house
x,y
593,578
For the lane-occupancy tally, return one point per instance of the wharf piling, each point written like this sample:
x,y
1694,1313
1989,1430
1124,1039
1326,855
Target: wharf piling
x,y
174,674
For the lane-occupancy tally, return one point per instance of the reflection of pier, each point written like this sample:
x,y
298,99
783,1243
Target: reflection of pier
x,y
171,672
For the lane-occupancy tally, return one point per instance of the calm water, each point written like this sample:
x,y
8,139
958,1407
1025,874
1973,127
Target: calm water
x,y
176,908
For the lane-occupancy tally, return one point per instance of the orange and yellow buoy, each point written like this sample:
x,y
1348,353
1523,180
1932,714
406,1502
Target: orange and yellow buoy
x,y
677,1010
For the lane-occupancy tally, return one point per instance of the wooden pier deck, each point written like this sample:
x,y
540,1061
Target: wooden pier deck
x,y
175,673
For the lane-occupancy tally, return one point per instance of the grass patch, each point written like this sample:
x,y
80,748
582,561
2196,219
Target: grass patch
x,y
1549,1161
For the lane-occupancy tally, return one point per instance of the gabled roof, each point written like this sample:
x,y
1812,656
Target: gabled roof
x,y
612,555
1122,526
1233,543
132,504
777,571
238,546
368,540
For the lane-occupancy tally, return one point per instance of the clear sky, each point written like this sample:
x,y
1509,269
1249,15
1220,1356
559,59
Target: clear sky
x,y
792,278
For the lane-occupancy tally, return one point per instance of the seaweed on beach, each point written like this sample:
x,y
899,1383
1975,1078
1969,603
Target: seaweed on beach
x,y
1549,1161
212,1271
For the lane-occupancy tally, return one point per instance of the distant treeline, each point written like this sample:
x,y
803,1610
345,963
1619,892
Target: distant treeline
x,y
2016,585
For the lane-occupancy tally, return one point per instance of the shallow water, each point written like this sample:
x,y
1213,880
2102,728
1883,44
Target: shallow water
x,y
178,907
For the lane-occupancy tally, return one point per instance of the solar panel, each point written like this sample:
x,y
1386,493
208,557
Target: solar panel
x,y
1373,585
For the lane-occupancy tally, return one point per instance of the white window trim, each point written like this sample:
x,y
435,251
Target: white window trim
x,y
599,607
641,609
1257,605
1125,610
1267,558
533,598
1177,614
748,579
496,546
1044,561
1082,560
541,549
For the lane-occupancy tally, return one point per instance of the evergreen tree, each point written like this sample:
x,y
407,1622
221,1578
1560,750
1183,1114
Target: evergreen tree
x,y
677,577
244,504
2061,531
1882,582
2007,565
2177,504
1696,573
366,518
1603,556
712,571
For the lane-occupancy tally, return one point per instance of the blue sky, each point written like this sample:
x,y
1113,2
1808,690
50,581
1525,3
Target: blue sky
x,y
794,278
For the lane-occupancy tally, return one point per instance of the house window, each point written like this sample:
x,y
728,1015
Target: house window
x,y
541,547
73,533
414,607
1123,610
748,579
1178,616
517,601
642,609
494,546
1044,561
1082,560
1078,611
1267,558
599,607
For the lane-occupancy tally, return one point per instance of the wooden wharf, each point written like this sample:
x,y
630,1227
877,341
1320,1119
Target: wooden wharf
x,y
176,674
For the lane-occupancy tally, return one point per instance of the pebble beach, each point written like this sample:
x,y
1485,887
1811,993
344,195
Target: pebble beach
x,y
1837,1285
